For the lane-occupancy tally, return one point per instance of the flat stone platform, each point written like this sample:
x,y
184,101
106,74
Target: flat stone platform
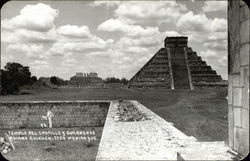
x,y
153,139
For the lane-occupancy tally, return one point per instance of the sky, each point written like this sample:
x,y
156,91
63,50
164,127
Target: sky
x,y
111,38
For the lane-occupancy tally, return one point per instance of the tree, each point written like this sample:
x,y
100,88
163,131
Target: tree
x,y
124,81
116,80
57,81
14,76
53,80
33,79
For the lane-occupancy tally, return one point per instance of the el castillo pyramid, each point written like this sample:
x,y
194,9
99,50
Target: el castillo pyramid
x,y
176,66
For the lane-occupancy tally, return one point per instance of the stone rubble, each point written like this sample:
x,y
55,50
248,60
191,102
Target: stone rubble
x,y
127,112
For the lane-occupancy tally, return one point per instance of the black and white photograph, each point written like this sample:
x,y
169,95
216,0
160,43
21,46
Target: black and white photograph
x,y
124,80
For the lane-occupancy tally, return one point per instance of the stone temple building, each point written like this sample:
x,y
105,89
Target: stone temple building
x,y
176,66
86,80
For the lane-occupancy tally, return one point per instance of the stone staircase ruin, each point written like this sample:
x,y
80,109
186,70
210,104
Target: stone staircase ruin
x,y
176,66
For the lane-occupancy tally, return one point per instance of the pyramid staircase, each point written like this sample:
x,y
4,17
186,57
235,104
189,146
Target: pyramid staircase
x,y
176,66
179,67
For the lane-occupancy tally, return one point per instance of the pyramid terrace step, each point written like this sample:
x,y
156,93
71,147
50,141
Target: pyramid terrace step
x,y
150,80
151,86
200,68
205,75
206,79
197,62
153,76
159,61
194,58
189,49
162,56
156,67
155,71
210,84
192,54
203,72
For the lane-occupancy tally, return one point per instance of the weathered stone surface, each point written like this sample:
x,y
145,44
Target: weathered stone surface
x,y
244,54
241,140
230,89
244,13
152,139
244,76
244,31
236,80
245,97
237,96
230,126
245,118
234,37
237,117
66,114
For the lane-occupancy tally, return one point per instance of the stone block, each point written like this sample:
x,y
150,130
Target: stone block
x,y
245,118
237,96
245,96
241,140
244,76
244,54
237,116
244,31
236,79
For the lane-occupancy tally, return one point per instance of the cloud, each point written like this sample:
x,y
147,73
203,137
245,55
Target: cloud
x,y
136,50
117,25
74,31
108,4
216,45
5,59
208,54
31,51
211,6
223,61
200,22
67,48
151,41
25,36
39,17
77,39
171,33
141,12
39,65
98,54
69,62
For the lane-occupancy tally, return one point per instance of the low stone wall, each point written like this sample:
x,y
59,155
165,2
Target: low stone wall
x,y
65,114
152,139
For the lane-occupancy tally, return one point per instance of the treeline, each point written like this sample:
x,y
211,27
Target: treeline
x,y
58,81
13,76
116,80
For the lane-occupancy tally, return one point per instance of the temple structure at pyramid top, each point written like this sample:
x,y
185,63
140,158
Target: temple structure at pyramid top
x,y
176,66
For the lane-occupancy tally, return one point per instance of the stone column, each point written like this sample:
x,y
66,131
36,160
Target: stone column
x,y
238,70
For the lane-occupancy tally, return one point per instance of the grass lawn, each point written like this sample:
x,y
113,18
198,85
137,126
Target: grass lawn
x,y
200,113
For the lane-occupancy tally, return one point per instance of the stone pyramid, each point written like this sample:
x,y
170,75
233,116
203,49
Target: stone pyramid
x,y
176,66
